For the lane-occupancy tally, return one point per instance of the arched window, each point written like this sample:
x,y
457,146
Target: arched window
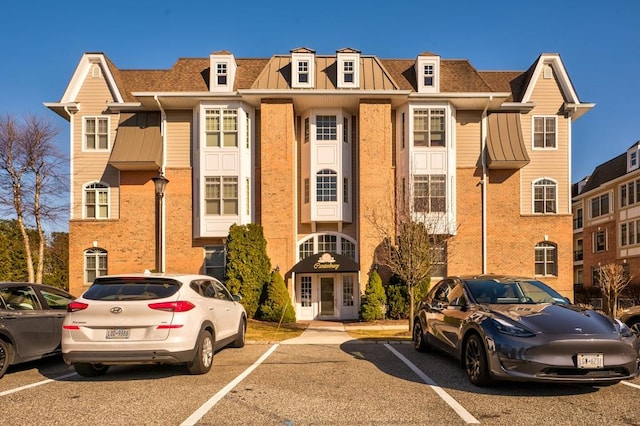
x,y
544,196
95,264
326,185
334,243
96,201
546,259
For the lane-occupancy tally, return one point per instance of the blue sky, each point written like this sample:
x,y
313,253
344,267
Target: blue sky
x,y
598,42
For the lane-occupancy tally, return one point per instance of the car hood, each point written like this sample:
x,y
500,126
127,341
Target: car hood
x,y
556,319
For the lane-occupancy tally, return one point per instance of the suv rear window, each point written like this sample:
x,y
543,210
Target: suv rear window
x,y
133,288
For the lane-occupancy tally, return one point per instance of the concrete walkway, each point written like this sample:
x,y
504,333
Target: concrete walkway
x,y
333,333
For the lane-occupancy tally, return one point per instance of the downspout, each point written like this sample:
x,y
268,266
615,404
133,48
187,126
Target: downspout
x,y
483,183
163,134
71,156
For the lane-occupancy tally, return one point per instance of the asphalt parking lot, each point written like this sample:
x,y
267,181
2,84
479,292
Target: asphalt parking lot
x,y
348,383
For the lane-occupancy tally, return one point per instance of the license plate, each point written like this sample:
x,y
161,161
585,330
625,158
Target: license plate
x,y
590,360
117,333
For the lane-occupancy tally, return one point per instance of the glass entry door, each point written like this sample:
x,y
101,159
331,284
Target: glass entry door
x,y
327,296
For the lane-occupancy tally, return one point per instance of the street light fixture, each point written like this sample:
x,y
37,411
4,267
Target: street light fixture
x,y
160,182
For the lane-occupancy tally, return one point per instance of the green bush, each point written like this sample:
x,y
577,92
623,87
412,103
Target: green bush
x,y
373,300
397,301
248,266
277,304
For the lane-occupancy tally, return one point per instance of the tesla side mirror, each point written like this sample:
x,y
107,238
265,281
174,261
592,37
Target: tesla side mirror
x,y
236,297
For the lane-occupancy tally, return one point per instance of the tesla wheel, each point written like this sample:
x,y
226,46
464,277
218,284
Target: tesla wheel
x,y
6,354
419,339
475,362
242,332
634,325
203,360
90,370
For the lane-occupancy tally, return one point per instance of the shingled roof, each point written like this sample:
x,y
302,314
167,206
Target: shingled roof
x,y
607,172
192,75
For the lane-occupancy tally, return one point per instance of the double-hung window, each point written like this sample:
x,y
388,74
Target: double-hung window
x,y
303,71
221,74
427,75
600,205
429,127
221,128
544,196
429,193
544,132
221,195
600,241
348,70
96,201
95,264
96,133
546,259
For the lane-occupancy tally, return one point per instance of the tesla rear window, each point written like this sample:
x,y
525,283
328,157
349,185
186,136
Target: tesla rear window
x,y
131,289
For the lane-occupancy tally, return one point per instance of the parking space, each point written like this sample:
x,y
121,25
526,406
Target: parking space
x,y
351,383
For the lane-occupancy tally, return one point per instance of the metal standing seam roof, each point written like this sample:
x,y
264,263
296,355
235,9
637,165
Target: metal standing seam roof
x,y
505,144
138,143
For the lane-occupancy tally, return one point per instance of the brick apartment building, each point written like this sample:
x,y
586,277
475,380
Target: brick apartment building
x,y
311,146
606,225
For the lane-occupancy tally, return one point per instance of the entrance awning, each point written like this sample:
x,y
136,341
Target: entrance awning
x,y
326,262
138,144
505,144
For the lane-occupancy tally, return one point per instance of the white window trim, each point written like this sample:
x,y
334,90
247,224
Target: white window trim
x,y
84,262
84,200
533,196
590,206
315,237
434,61
342,58
84,133
533,133
296,58
594,241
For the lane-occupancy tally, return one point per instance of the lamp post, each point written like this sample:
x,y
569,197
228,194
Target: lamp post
x,y
160,182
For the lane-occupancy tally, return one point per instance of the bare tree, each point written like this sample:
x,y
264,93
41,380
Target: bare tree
x,y
612,279
31,180
416,243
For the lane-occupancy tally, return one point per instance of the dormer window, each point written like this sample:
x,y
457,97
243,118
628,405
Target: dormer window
x,y
348,61
302,68
303,72
428,75
632,157
221,74
222,66
427,70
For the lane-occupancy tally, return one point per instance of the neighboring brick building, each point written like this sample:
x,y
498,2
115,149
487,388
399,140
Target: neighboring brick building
x,y
606,225
312,147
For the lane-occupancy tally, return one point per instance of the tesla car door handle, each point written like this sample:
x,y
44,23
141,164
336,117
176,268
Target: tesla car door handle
x,y
9,317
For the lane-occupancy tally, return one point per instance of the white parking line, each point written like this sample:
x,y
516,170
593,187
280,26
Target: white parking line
x,y
633,385
33,385
459,409
204,408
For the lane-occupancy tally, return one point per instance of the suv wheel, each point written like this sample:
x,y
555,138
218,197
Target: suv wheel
x,y
6,354
203,359
240,337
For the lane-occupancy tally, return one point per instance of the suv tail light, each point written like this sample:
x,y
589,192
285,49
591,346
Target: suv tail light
x,y
179,306
76,306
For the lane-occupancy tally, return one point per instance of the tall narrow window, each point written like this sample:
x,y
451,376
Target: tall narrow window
x,y
600,241
96,133
307,191
345,190
544,196
326,185
96,201
347,290
545,259
345,130
305,292
347,68
95,264
221,195
215,261
306,129
544,132
303,72
221,73
428,75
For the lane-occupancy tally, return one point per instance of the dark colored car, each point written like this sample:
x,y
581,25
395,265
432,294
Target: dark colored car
x,y
31,318
631,317
513,328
